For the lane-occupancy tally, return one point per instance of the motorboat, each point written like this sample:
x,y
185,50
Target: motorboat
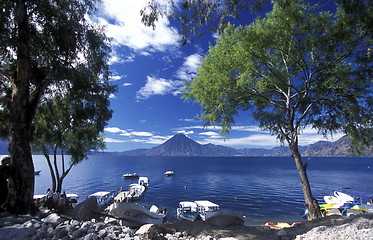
x,y
130,175
134,215
103,198
187,211
136,191
169,173
143,181
211,213
206,209
72,199
37,172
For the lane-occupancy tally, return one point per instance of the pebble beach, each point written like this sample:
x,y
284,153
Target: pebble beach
x,y
51,225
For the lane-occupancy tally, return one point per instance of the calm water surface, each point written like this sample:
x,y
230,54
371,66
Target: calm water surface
x,y
262,188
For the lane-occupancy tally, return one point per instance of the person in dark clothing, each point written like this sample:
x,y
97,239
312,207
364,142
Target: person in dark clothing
x,y
5,172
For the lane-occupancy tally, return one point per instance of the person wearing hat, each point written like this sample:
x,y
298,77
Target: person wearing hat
x,y
5,172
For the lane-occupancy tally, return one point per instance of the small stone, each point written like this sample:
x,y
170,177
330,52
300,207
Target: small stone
x,y
90,236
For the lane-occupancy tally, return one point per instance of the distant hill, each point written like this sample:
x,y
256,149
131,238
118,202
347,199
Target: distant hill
x,y
181,145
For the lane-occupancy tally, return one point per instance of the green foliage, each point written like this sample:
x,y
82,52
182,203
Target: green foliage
x,y
61,45
296,67
195,16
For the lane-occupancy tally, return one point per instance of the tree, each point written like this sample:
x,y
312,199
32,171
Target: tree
x,y
42,43
195,16
293,69
72,125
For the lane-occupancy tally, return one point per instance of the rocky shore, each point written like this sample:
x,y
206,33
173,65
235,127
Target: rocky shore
x,y
50,225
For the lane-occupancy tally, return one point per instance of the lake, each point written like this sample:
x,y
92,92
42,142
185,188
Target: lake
x,y
264,189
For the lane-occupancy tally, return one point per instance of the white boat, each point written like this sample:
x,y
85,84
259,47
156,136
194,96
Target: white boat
x,y
134,215
211,213
103,198
169,173
135,191
72,199
130,175
144,181
187,211
206,209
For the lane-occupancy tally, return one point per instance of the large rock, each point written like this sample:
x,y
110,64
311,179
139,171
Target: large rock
x,y
226,218
53,218
86,210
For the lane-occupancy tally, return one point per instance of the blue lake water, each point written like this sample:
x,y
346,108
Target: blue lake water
x,y
262,188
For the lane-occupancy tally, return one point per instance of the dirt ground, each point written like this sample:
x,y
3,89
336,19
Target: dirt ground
x,y
199,227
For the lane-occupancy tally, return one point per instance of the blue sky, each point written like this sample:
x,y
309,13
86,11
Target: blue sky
x,y
148,66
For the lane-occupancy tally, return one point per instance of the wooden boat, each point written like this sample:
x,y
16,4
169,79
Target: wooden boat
x,y
169,173
187,211
130,175
134,215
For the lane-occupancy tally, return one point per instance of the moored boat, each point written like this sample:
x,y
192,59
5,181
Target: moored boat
x,y
72,199
187,211
134,215
37,172
143,181
130,175
103,198
136,191
211,213
206,209
169,173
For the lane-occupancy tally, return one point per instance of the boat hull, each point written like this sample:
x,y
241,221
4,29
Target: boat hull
x,y
135,214
189,216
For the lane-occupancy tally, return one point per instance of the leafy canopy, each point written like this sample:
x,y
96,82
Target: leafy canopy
x,y
296,67
62,47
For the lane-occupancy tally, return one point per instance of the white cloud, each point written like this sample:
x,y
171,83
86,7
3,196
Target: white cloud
x,y
159,86
112,140
127,84
142,134
188,120
113,130
210,134
185,132
263,140
189,68
123,24
112,96
115,78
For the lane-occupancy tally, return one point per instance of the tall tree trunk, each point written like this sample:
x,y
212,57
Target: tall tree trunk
x,y
53,176
21,193
311,203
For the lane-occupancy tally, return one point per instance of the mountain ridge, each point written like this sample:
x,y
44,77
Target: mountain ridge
x,y
181,145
